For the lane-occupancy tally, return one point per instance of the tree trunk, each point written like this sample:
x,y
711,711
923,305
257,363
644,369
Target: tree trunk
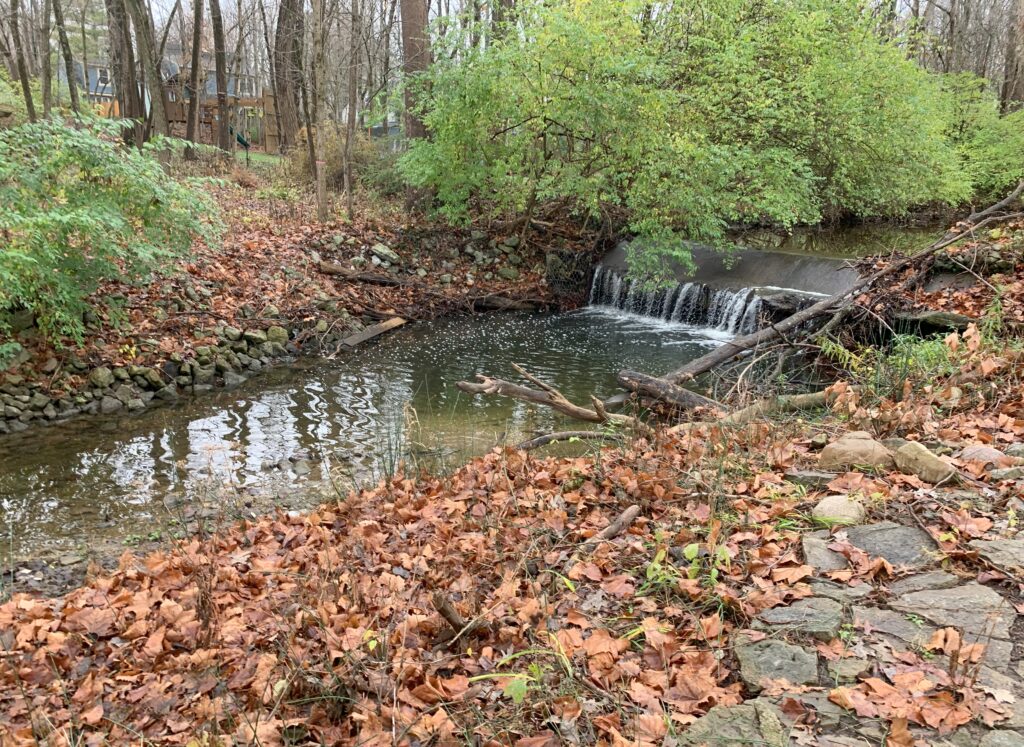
x,y
1012,91
416,48
221,74
316,84
122,66
273,75
192,123
146,40
501,15
288,68
65,50
664,391
353,99
47,65
19,56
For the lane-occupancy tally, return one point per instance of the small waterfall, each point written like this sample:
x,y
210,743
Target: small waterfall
x,y
696,304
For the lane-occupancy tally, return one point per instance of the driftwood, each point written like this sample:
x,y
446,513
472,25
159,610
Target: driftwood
x,y
535,443
617,527
741,344
548,396
775,405
664,391
370,278
372,331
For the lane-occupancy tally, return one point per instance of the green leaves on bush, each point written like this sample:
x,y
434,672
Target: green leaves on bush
x,y
78,208
686,119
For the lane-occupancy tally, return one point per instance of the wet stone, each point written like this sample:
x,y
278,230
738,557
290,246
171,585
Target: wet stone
x,y
109,405
902,546
233,380
776,660
817,617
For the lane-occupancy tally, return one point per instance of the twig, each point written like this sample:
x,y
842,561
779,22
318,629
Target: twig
x,y
535,443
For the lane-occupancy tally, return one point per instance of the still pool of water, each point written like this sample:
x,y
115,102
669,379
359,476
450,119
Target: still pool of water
x,y
66,487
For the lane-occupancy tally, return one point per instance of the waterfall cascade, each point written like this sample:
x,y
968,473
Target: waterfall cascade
x,y
734,311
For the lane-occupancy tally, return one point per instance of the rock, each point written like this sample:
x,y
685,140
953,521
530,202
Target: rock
x,y
233,334
810,478
153,378
168,393
900,545
914,459
816,552
421,272
203,375
981,453
109,405
914,632
817,617
301,468
841,593
101,378
1002,738
839,509
50,365
38,401
509,273
754,722
512,241
1005,553
233,380
819,441
277,334
975,609
445,279
775,660
385,254
255,336
1015,450
1007,473
856,449
271,312
848,670
922,581
135,404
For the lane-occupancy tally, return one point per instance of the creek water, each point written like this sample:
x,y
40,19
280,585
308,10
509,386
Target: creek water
x,y
66,487
297,434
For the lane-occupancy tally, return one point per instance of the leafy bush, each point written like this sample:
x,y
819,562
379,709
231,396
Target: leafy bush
x,y
77,208
702,114
374,162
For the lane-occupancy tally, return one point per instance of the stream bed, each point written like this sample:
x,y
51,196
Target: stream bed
x,y
98,482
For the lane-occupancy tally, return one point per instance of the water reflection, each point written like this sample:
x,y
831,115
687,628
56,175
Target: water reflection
x,y
70,484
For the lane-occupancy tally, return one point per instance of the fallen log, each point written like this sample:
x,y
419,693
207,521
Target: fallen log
x,y
776,405
535,443
548,396
664,391
735,347
372,331
333,268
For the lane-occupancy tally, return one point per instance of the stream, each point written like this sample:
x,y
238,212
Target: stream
x,y
298,435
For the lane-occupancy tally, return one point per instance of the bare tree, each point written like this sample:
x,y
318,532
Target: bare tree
x,y
288,68
416,51
352,103
65,50
195,62
144,37
19,56
46,69
221,75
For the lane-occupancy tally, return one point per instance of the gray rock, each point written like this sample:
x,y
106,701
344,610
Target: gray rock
x,y
233,380
1006,553
856,449
50,365
847,670
301,468
277,334
509,273
124,393
445,279
109,405
232,333
1015,450
168,393
816,552
816,616
1007,473
981,453
203,375
101,378
839,509
901,546
754,722
914,459
255,336
973,608
922,581
38,401
1002,738
775,660
912,631
840,592
135,404
385,254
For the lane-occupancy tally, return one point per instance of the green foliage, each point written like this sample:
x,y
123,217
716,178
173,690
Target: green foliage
x,y
991,146
702,114
77,208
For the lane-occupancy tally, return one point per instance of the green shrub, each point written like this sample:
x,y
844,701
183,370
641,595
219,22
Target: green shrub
x,y
702,114
374,162
78,208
